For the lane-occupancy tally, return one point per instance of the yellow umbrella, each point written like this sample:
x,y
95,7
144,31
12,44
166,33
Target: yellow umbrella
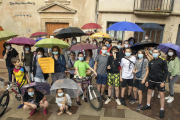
x,y
4,35
97,35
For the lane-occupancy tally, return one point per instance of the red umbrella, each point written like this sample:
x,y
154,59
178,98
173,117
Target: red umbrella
x,y
38,34
83,46
91,26
22,41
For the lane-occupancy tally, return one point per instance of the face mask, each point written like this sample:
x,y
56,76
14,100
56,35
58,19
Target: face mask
x,y
87,42
39,56
146,38
119,47
150,51
126,46
155,55
8,47
170,53
81,58
74,42
104,51
131,42
140,56
94,43
30,93
60,94
128,54
107,45
55,53
26,49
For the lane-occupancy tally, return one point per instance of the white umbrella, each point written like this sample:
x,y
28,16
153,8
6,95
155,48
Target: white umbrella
x,y
57,30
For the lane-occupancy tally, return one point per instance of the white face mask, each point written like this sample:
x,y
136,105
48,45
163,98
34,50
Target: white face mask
x,y
170,53
60,94
146,38
39,56
8,47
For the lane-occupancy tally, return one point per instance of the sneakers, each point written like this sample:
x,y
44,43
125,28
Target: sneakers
x,y
167,98
123,102
78,103
45,112
139,107
161,114
32,112
85,100
107,101
104,99
146,107
170,100
134,101
129,97
20,106
118,102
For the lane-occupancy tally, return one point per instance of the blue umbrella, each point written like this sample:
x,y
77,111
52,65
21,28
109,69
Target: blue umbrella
x,y
164,47
39,39
125,26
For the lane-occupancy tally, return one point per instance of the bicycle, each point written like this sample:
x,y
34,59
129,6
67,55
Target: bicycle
x,y
4,99
94,97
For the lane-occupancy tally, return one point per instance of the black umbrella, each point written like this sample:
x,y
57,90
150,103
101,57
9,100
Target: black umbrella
x,y
151,27
70,32
142,45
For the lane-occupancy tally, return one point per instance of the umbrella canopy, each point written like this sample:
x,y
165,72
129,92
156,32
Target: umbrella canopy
x,y
38,34
70,87
4,35
39,39
141,45
164,47
83,46
50,42
22,41
151,27
70,32
57,30
91,26
97,35
125,26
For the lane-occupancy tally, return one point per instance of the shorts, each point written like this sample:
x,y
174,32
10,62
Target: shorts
x,y
101,79
127,81
82,81
114,79
152,86
139,85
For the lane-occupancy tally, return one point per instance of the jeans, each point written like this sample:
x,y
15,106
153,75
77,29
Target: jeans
x,y
10,71
171,84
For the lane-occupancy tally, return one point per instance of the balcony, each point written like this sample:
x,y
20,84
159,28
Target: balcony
x,y
155,7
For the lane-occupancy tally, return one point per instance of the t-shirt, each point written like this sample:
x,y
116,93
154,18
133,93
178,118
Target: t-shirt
x,y
102,64
138,67
128,67
27,58
60,100
39,97
71,65
39,73
82,66
12,53
20,76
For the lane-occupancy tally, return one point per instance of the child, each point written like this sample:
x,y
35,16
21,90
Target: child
x,y
70,64
80,68
101,68
140,81
108,44
21,76
126,75
64,102
113,75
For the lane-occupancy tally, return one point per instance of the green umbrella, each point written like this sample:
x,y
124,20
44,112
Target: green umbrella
x,y
50,42
4,35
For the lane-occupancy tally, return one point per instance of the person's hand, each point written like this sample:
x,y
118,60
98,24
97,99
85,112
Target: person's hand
x,y
108,67
162,85
147,84
41,102
65,99
95,73
34,106
114,55
56,57
143,81
121,79
7,51
80,77
134,71
171,77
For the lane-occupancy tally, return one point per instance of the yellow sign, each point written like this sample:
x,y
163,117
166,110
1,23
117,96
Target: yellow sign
x,y
46,64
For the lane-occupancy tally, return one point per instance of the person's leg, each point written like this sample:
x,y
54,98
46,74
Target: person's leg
x,y
99,87
61,111
28,107
67,110
117,92
109,91
54,78
104,81
78,100
171,85
44,105
130,85
9,68
61,75
135,92
149,95
99,83
162,100
85,97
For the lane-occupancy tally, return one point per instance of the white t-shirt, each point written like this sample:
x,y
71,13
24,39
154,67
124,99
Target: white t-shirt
x,y
60,100
127,70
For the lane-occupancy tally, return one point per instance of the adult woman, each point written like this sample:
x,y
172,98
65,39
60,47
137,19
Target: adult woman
x,y
35,68
89,59
26,57
34,99
95,51
174,72
65,52
131,41
9,53
60,64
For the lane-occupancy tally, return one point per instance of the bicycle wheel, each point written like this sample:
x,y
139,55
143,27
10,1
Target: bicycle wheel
x,y
4,101
94,98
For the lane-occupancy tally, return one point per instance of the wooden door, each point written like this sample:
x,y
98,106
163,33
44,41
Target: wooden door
x,y
1,44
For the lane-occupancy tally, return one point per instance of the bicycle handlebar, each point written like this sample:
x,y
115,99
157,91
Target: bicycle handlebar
x,y
87,77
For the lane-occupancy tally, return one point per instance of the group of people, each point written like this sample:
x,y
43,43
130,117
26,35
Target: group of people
x,y
115,67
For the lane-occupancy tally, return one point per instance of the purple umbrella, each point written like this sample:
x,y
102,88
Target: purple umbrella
x,y
22,41
164,47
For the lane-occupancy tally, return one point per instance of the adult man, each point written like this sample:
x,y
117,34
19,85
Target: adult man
x,y
158,72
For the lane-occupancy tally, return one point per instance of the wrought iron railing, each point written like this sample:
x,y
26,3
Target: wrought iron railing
x,y
153,5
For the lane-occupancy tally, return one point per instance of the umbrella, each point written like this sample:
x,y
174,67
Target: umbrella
x,y
4,35
38,34
97,35
40,86
164,47
70,87
57,30
151,27
91,26
50,42
39,39
125,26
83,46
22,41
141,45
70,32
